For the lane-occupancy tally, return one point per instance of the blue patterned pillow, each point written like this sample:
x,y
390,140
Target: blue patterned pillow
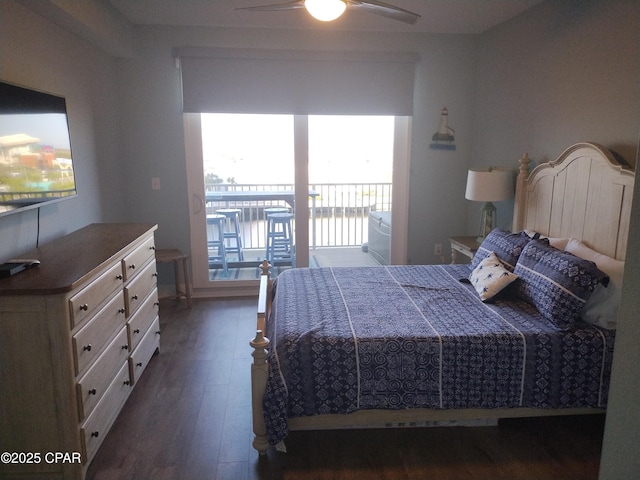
x,y
506,245
556,282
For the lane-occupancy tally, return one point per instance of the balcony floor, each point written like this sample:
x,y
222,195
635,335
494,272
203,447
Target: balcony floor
x,y
320,257
340,257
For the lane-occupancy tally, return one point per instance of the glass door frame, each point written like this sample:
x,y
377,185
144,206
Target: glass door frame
x,y
301,188
202,285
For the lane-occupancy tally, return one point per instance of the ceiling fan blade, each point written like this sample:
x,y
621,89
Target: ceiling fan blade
x,y
275,7
385,10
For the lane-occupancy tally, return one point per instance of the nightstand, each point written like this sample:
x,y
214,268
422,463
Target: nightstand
x,y
463,247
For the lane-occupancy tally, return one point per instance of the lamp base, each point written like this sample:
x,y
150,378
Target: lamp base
x,y
487,221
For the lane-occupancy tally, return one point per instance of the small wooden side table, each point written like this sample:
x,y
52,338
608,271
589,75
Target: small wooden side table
x,y
177,257
462,247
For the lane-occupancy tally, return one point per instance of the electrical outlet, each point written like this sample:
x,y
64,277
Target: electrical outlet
x,y
155,183
437,249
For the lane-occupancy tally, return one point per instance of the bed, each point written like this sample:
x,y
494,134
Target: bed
x,y
527,329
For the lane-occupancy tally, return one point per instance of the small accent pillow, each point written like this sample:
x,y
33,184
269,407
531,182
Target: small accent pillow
x,y
557,283
602,307
506,245
490,277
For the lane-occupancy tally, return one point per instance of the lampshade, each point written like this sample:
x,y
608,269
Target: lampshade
x,y
492,184
325,10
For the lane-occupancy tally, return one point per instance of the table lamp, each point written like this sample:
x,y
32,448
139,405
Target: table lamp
x,y
491,184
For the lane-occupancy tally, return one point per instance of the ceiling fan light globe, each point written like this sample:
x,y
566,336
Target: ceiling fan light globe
x,y
325,10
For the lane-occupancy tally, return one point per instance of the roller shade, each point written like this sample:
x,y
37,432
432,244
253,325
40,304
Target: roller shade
x,y
296,82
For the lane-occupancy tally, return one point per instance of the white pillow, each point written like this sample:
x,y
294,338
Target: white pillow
x,y
557,242
490,277
602,306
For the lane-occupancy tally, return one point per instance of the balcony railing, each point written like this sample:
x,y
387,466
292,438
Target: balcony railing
x,y
338,212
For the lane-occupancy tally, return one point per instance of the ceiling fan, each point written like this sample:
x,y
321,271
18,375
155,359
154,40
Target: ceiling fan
x,y
327,10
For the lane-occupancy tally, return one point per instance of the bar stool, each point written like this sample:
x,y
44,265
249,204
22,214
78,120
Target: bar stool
x,y
176,257
280,238
215,242
269,210
235,246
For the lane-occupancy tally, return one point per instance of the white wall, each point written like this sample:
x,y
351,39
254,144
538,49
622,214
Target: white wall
x,y
566,71
152,117
37,54
561,73
621,441
444,78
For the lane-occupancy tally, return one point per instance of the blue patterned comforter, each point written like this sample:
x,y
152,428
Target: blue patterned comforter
x,y
398,337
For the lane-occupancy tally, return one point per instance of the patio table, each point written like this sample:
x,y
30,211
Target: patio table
x,y
287,196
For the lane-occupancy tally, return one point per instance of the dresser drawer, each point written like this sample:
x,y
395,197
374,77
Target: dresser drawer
x,y
144,316
137,259
94,383
86,303
142,354
96,426
89,342
138,289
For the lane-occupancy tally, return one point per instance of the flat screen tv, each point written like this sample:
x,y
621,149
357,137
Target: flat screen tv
x,y
36,165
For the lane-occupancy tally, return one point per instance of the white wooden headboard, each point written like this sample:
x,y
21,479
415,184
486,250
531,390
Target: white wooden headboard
x,y
585,193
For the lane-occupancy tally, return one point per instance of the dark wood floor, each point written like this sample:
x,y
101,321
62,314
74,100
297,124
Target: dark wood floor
x,y
189,418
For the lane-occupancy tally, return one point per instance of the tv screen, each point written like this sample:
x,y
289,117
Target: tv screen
x,y
36,165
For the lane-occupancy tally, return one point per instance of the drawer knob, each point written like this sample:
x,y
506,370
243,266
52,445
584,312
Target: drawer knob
x,y
157,304
121,310
139,364
132,266
125,347
152,247
127,382
137,330
93,391
154,274
157,332
87,348
119,277
134,297
95,434
84,307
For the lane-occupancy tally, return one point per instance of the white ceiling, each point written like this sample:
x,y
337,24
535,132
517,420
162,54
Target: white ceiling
x,y
437,16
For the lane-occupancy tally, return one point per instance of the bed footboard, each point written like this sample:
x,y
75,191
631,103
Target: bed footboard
x,y
260,367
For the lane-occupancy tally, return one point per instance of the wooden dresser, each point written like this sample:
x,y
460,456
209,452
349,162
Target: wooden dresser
x,y
76,333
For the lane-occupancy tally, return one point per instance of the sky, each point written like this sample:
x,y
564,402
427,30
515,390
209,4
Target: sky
x,y
50,128
259,148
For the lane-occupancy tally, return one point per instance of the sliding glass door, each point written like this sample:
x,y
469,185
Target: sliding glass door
x,y
248,166
350,169
323,174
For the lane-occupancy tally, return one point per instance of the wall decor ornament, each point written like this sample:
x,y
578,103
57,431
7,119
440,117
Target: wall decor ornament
x,y
443,139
